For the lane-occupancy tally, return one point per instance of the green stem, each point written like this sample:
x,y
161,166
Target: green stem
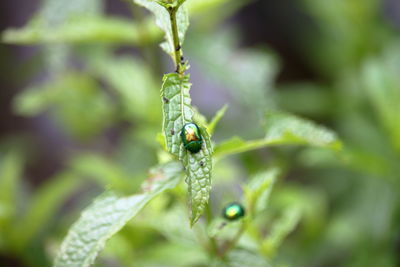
x,y
178,54
231,243
213,249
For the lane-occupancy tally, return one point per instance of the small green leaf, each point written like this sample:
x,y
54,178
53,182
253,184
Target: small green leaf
x,y
34,100
307,99
380,80
170,224
132,81
283,129
177,111
46,201
242,257
217,117
11,167
199,118
108,214
103,171
163,21
237,145
196,6
70,95
258,190
281,229
85,29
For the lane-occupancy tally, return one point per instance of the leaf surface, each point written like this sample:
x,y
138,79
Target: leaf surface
x,y
259,188
108,214
164,23
215,120
84,29
177,111
283,129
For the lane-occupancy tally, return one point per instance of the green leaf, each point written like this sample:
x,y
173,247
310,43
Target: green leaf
x,y
238,145
380,82
170,224
306,98
46,201
163,21
196,6
283,129
259,188
242,257
198,169
281,229
108,214
71,95
103,171
132,80
54,13
199,118
254,70
177,111
171,254
11,166
85,29
217,117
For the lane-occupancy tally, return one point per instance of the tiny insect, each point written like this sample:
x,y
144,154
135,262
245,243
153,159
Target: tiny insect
x,y
233,211
191,137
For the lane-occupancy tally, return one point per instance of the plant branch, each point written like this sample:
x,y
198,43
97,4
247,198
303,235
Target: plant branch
x,y
231,243
180,68
178,53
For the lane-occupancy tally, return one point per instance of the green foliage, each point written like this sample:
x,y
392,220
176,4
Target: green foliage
x,y
178,112
108,214
198,168
254,69
163,21
43,206
258,190
308,201
241,257
133,83
215,120
85,29
70,95
380,79
280,229
283,129
10,174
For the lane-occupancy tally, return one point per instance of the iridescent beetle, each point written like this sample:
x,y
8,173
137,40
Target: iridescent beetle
x,y
233,211
191,137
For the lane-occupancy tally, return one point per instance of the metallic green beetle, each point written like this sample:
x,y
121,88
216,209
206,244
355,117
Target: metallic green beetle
x,y
233,211
191,137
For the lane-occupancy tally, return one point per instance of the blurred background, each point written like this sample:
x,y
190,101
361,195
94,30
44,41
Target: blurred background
x,y
80,112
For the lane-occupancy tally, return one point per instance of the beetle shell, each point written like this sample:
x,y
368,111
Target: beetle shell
x,y
233,211
191,137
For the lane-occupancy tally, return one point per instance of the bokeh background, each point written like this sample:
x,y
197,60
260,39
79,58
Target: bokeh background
x,y
80,112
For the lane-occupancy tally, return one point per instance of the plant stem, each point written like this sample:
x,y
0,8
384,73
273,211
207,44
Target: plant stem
x,y
213,243
231,243
178,54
